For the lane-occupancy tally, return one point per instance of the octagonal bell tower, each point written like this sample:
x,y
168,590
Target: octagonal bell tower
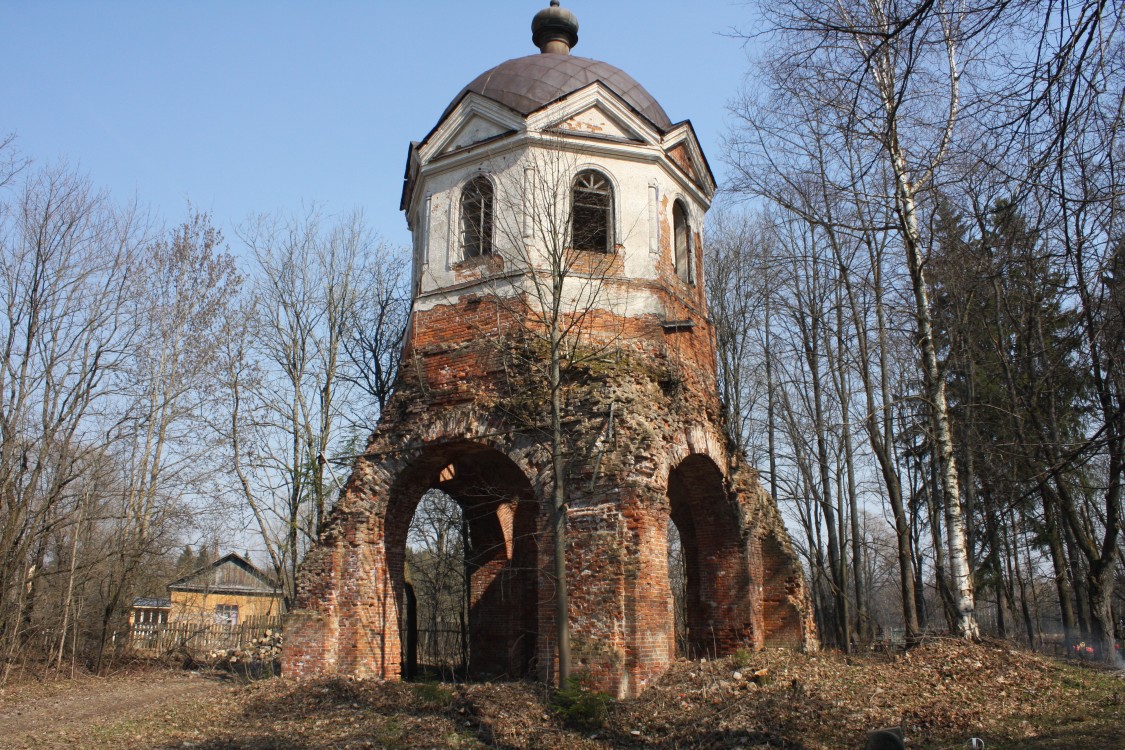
x,y
558,328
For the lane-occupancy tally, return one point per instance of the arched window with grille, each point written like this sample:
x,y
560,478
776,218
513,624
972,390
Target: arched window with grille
x,y
476,217
682,236
592,213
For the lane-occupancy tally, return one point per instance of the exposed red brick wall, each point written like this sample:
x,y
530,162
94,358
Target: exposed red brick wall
x,y
645,443
680,155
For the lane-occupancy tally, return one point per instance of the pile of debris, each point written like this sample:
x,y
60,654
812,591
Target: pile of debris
x,y
259,657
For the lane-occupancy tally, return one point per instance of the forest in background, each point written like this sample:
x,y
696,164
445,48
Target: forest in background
x,y
921,327
916,282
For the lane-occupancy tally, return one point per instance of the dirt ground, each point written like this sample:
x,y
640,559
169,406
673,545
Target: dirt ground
x,y
75,713
941,693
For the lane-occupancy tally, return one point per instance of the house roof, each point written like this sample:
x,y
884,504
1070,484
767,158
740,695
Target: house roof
x,y
232,573
150,603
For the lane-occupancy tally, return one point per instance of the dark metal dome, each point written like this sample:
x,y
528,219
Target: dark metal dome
x,y
526,84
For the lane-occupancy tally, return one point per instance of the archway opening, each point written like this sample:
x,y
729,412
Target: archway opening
x,y
715,582
461,536
677,582
437,608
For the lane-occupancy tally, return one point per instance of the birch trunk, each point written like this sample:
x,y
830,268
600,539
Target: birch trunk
x,y
961,575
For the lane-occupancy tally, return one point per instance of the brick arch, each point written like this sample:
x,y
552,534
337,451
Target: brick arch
x,y
503,515
351,592
718,582
697,441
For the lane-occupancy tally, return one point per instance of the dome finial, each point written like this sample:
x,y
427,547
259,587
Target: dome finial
x,y
554,30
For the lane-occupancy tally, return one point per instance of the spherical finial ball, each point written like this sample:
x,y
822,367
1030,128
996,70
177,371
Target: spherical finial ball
x,y
554,29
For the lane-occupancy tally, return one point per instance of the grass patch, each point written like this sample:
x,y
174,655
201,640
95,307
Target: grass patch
x,y
433,695
581,706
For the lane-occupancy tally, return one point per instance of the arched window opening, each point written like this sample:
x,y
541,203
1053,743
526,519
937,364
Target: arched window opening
x,y
476,217
591,216
682,232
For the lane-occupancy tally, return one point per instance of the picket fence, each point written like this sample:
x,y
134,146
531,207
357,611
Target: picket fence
x,y
199,638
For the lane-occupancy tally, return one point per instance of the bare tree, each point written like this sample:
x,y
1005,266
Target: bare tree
x,y
65,334
563,276
287,376
184,288
551,228
1073,126
887,76
742,278
374,338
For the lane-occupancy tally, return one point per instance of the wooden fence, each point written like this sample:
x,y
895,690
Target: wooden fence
x,y
198,638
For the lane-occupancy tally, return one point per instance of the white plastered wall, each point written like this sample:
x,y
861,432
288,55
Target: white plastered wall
x,y
536,167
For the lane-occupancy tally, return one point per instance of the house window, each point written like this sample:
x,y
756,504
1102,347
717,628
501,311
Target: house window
x,y
226,614
476,217
592,213
682,236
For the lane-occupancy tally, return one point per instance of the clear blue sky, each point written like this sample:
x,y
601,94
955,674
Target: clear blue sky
x,y
250,106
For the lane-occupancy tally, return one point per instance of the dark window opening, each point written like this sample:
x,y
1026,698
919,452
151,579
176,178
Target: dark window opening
x,y
590,220
682,231
476,217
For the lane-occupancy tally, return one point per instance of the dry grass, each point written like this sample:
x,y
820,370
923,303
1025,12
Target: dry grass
x,y
942,693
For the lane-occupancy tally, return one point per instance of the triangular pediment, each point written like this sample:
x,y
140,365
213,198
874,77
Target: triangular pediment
x,y
683,149
595,111
599,121
682,156
474,130
474,120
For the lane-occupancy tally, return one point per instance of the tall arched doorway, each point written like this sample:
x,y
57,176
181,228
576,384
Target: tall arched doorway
x,y
496,520
715,580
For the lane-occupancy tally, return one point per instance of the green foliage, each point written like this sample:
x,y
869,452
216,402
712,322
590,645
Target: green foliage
x,y
580,705
433,695
741,658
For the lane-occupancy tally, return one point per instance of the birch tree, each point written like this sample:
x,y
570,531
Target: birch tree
x,y
887,75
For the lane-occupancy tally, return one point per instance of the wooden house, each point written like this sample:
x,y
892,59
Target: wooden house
x,y
149,612
229,591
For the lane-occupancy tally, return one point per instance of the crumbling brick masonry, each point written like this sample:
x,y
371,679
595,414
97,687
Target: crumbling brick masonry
x,y
533,140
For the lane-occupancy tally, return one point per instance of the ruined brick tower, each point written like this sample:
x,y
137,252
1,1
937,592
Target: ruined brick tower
x,y
556,208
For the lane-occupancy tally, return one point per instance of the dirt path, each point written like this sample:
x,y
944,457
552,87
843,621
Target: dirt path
x,y
72,714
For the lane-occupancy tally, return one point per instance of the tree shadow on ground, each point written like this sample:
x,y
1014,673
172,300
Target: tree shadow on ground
x,y
339,713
